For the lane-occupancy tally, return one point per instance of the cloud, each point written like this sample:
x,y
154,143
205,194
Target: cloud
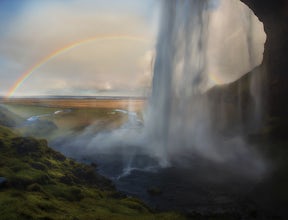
x,y
47,26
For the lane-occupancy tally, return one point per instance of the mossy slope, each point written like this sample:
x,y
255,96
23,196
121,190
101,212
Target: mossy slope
x,y
43,184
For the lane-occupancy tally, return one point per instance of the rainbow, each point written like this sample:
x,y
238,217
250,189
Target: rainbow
x,y
62,50
215,79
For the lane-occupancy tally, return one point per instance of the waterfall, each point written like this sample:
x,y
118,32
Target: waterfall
x,y
179,77
179,123
201,44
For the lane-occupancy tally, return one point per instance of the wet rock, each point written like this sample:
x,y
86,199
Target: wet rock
x,y
274,16
3,181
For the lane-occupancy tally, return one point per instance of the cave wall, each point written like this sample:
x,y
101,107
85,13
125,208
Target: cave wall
x,y
237,97
274,15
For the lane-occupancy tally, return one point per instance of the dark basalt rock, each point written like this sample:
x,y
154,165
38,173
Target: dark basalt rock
x,y
274,78
274,15
3,181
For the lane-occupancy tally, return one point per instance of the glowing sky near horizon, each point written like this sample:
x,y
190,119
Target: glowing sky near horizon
x,y
30,30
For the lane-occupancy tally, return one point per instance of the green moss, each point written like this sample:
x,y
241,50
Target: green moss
x,y
43,184
6,134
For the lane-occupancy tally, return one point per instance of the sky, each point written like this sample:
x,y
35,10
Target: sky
x,y
109,46
117,61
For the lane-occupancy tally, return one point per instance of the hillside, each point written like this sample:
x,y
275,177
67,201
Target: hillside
x,y
37,182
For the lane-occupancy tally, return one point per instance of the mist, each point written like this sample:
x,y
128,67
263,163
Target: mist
x,y
178,125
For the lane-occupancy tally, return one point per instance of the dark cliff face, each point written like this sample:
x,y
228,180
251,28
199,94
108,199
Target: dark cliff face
x,y
273,71
274,15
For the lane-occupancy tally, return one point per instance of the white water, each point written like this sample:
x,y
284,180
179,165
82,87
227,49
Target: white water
x,y
199,42
34,118
179,122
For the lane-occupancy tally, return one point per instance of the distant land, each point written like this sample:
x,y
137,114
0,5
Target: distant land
x,y
123,102
73,97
